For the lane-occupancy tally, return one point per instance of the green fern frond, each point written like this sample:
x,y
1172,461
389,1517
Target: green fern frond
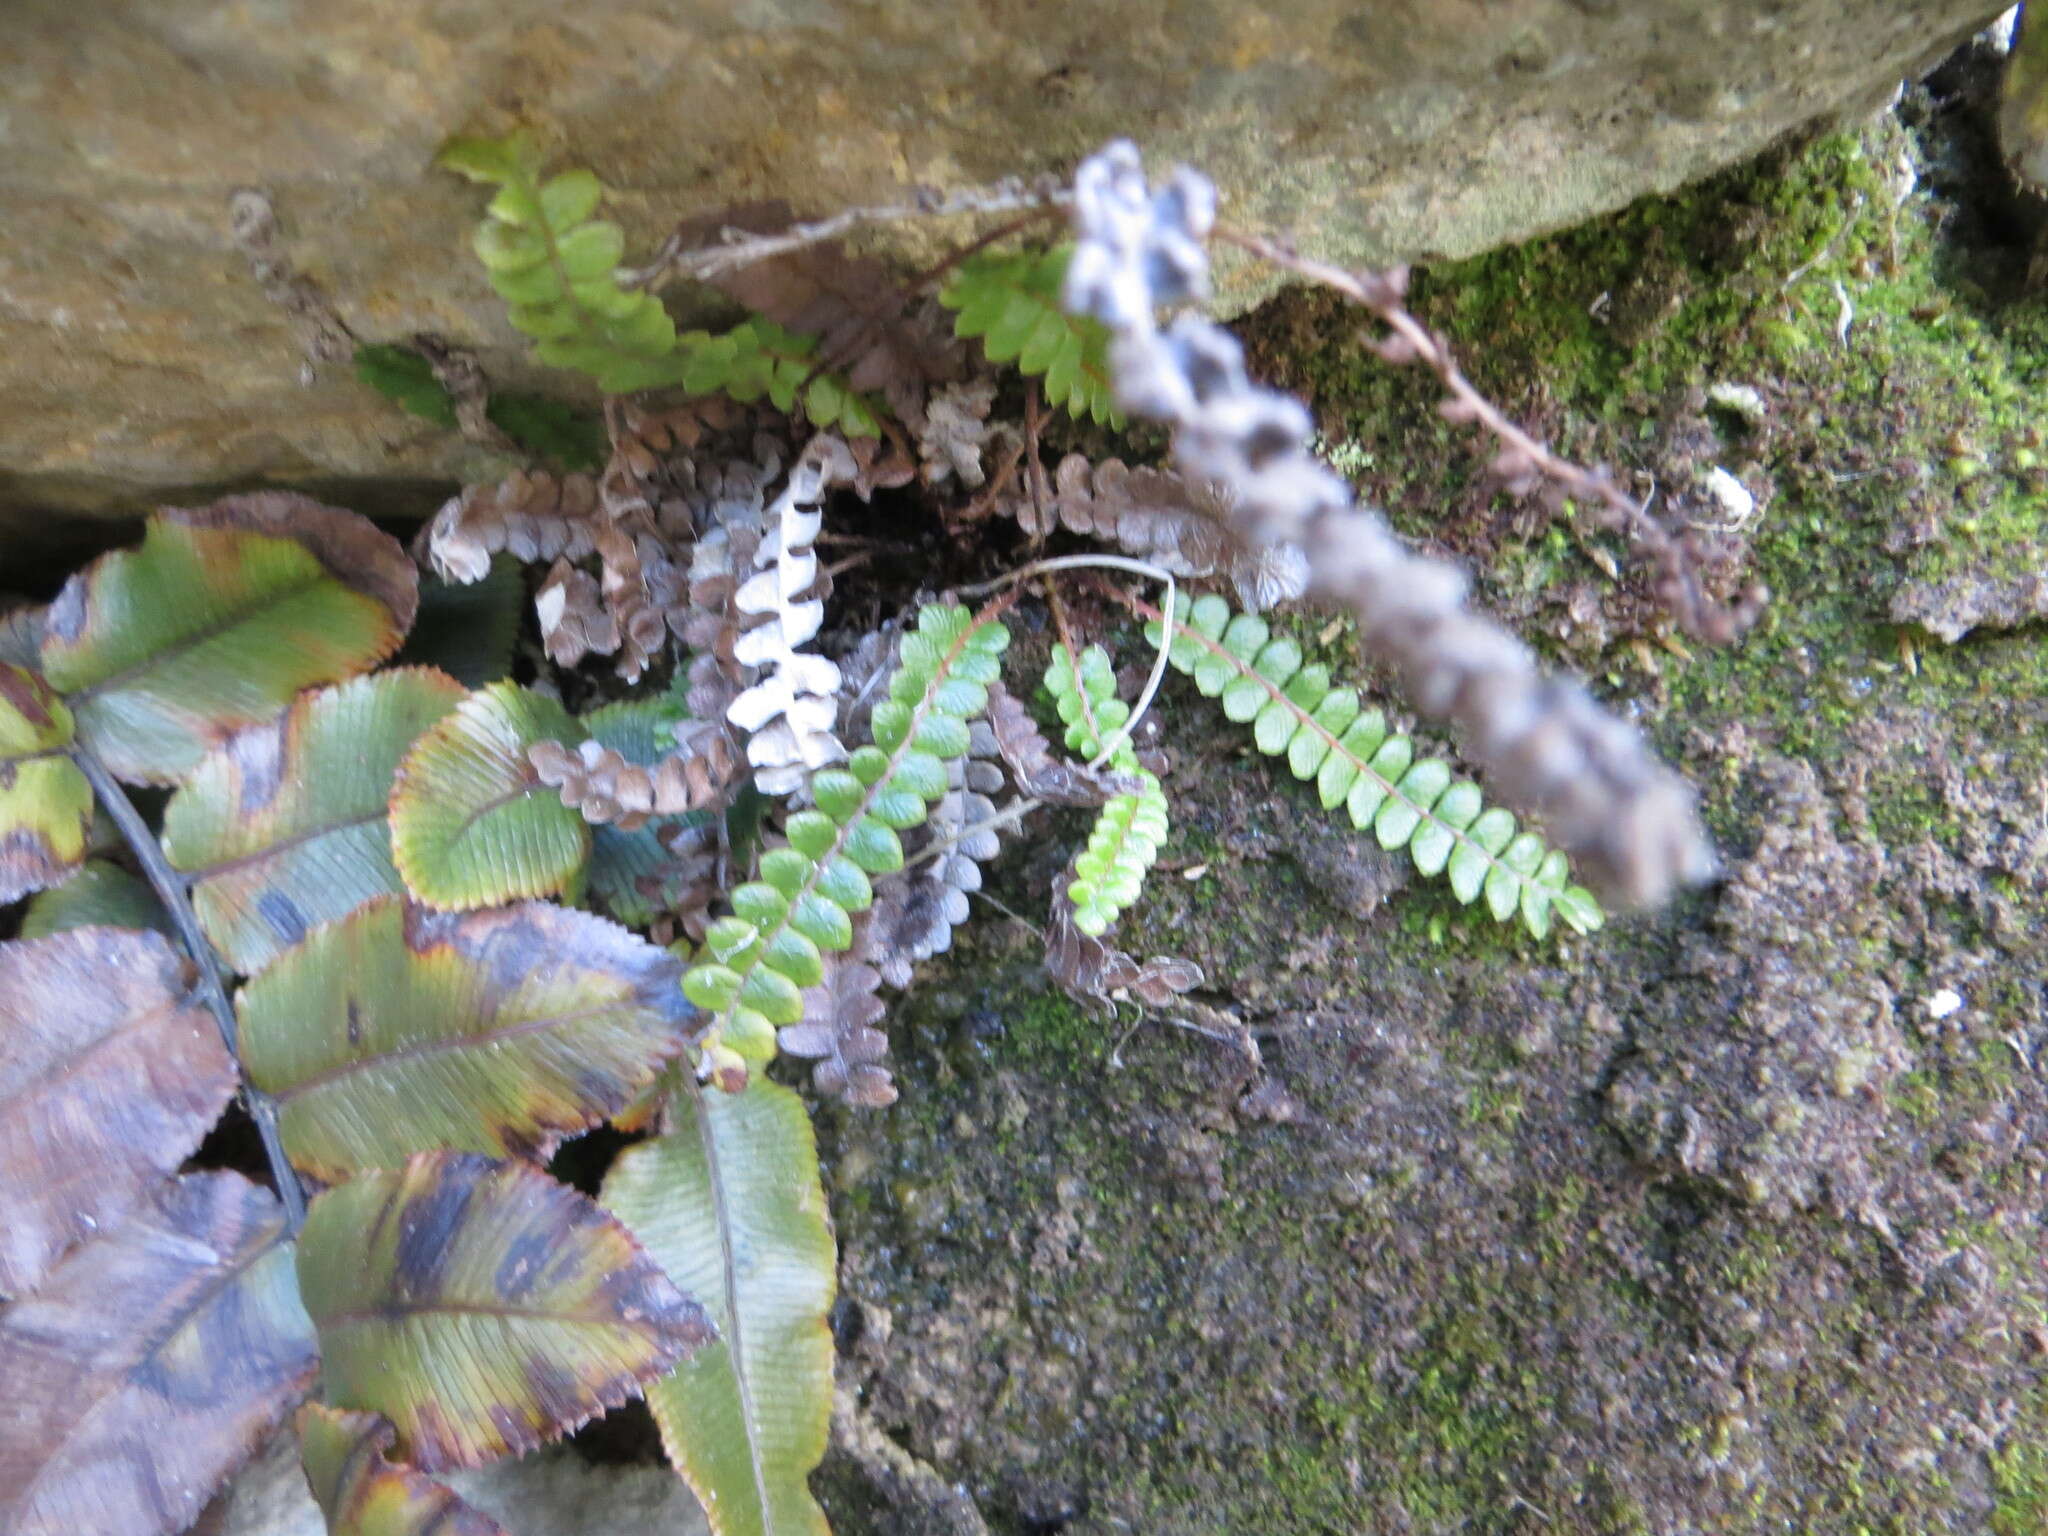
x,y
760,358
1359,763
1011,300
554,265
757,961
1124,842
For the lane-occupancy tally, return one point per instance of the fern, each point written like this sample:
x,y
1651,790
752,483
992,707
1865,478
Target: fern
x,y
758,960
1124,842
759,358
1358,762
555,267
554,264
1011,300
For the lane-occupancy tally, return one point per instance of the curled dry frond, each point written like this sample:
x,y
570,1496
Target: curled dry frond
x,y
1094,972
956,428
1630,821
790,711
574,621
1180,525
1037,773
608,789
686,884
532,516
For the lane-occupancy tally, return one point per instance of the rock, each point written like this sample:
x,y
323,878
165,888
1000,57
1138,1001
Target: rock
x,y
1973,599
145,362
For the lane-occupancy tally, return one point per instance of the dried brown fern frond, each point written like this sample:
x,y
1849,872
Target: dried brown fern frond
x,y
838,1031
712,620
661,458
1158,515
686,887
1034,769
530,515
917,909
955,430
574,622
608,789
867,324
1095,972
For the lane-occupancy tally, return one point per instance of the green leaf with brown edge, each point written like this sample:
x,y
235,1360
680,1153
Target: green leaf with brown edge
x,y
362,1492
223,614
730,1204
102,894
401,1029
471,824
283,826
110,1074
45,802
151,1364
482,1307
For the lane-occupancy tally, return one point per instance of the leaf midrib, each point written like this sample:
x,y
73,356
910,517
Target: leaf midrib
x,y
729,1275
198,637
442,1044
283,845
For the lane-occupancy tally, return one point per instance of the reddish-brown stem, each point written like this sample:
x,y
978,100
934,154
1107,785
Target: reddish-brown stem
x,y
1522,457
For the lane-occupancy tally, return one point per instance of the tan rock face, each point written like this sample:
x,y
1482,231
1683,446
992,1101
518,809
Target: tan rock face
x,y
141,359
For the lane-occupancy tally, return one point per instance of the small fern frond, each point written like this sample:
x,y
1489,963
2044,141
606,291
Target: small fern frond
x,y
1124,842
1358,762
1011,300
757,961
554,266
759,357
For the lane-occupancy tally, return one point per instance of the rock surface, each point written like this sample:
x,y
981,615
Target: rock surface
x,y
144,360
